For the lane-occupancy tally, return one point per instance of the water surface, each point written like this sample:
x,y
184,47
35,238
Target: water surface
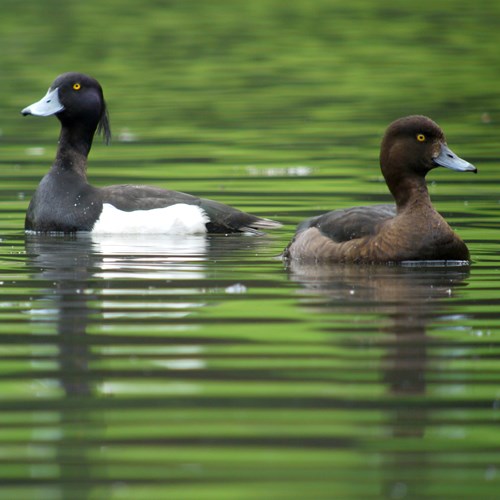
x,y
201,367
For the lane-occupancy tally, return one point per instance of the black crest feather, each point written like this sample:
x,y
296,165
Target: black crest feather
x,y
103,126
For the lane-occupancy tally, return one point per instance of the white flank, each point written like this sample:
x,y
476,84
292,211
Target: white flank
x,y
176,219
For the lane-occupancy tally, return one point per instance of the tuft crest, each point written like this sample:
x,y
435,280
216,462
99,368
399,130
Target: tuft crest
x,y
103,126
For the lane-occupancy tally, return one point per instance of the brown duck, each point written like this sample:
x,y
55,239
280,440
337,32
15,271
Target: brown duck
x,y
412,230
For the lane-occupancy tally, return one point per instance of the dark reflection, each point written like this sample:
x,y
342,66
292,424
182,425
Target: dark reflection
x,y
77,274
66,265
404,299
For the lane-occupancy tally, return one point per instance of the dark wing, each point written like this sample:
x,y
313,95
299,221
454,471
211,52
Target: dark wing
x,y
223,218
128,198
351,223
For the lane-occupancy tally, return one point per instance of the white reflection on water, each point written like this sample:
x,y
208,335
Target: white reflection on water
x,y
174,245
73,263
158,350
152,257
117,285
297,171
182,364
148,388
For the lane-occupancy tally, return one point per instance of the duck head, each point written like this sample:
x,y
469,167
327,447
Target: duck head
x,y
78,101
411,147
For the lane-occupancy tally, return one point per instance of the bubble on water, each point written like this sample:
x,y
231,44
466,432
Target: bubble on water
x,y
399,490
490,473
36,151
236,288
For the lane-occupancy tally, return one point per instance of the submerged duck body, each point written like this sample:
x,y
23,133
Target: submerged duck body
x,y
65,202
410,230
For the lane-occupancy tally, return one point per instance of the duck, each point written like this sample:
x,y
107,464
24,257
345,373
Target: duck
x,y
410,230
65,202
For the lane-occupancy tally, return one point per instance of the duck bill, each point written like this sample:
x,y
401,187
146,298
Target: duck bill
x,y
46,106
448,159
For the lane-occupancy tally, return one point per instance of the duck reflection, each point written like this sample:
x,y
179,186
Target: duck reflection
x,y
65,265
404,300
88,280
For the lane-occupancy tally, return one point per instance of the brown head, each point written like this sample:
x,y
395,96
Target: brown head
x,y
411,147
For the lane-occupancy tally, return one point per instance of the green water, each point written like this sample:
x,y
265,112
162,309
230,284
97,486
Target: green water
x,y
200,368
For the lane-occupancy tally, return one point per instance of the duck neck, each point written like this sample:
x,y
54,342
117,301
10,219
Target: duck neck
x,y
73,149
410,192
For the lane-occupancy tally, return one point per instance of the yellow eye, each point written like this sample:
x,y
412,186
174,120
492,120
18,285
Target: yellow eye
x,y
420,137
76,86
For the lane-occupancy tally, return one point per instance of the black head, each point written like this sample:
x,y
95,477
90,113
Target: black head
x,y
76,99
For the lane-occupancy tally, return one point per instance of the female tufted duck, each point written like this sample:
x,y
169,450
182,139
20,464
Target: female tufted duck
x,y
412,230
65,202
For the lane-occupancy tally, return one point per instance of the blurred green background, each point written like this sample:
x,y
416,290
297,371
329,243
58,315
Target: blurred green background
x,y
305,70
210,92
276,107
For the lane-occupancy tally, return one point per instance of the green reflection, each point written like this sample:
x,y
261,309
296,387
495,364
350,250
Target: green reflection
x,y
126,373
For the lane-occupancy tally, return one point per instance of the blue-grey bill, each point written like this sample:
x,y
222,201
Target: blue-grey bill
x,y
48,105
447,158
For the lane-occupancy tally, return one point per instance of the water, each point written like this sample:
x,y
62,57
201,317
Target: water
x,y
202,368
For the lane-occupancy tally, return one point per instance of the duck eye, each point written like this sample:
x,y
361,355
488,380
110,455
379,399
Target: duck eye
x,y
76,86
420,137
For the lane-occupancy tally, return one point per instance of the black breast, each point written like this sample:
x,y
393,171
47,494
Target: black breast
x,y
63,203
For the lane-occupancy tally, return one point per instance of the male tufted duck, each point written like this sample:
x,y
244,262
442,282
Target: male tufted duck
x,y
65,202
412,230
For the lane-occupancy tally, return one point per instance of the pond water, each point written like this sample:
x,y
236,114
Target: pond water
x,y
200,367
